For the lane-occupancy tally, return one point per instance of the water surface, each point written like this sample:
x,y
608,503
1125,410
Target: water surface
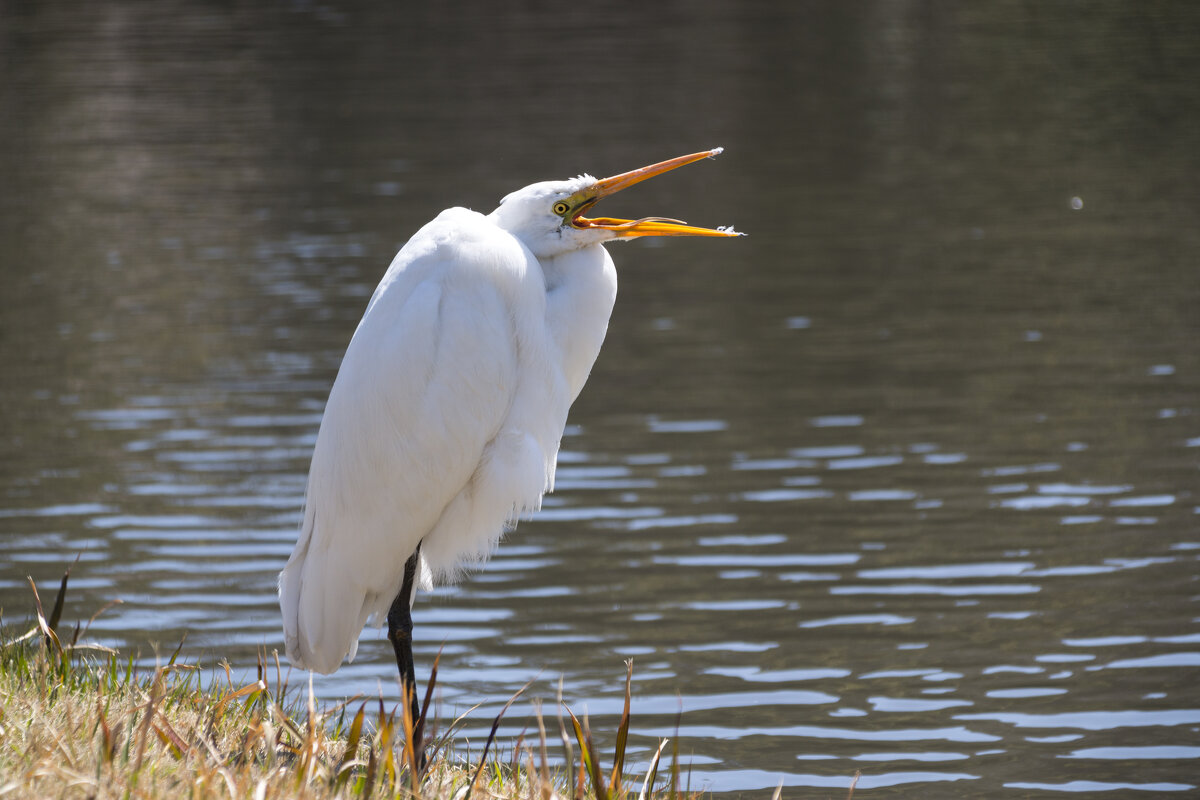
x,y
903,483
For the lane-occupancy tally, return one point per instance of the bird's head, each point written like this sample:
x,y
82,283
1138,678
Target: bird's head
x,y
549,216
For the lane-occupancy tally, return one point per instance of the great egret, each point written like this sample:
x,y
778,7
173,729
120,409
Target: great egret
x,y
444,422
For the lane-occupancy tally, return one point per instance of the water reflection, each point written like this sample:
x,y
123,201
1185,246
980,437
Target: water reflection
x,y
905,485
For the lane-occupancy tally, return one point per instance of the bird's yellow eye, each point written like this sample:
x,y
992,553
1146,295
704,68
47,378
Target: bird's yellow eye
x,y
561,208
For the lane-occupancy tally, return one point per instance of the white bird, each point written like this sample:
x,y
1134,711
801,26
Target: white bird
x,y
444,422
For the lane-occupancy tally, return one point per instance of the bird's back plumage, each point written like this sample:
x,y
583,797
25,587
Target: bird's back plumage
x,y
442,426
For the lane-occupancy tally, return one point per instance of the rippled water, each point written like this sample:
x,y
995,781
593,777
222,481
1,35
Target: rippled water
x,y
904,483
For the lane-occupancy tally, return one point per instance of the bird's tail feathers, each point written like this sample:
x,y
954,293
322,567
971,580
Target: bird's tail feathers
x,y
314,638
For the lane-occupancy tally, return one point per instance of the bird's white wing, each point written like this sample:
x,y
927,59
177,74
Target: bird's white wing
x,y
419,442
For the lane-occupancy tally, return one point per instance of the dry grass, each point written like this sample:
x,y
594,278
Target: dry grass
x,y
77,721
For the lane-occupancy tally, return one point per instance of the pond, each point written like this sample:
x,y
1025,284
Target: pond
x,y
903,483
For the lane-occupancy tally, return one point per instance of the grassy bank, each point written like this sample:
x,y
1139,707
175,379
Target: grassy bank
x,y
80,721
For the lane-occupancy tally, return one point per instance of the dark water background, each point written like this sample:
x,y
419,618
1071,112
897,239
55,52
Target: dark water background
x,y
905,482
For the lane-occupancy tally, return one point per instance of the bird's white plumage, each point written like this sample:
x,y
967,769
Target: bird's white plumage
x,y
444,421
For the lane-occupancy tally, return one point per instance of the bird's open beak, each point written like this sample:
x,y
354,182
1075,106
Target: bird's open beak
x,y
648,226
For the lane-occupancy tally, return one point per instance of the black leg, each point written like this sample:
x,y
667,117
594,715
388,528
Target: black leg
x,y
400,633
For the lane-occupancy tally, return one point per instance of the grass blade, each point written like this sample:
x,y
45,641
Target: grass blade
x,y
352,740
48,634
410,726
418,733
853,783
179,649
491,738
568,751
544,772
652,773
588,754
56,613
167,735
622,733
